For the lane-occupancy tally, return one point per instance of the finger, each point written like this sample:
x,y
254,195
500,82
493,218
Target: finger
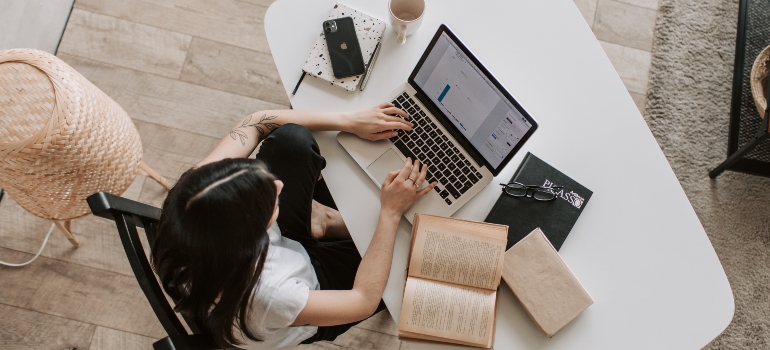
x,y
406,170
421,177
382,135
394,118
395,111
393,126
384,105
427,189
389,179
415,170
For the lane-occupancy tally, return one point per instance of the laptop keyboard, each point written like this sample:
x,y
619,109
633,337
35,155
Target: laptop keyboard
x,y
446,164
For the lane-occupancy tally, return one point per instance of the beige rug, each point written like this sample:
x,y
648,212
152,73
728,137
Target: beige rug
x,y
688,106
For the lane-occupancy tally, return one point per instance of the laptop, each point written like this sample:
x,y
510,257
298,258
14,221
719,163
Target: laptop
x,y
467,127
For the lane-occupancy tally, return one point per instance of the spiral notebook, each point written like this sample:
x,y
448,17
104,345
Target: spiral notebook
x,y
369,31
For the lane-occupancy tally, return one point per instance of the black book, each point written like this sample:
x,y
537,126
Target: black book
x,y
555,217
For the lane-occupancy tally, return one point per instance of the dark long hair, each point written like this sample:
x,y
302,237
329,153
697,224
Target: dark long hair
x,y
212,242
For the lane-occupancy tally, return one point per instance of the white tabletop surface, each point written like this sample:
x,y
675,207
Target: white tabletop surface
x,y
638,247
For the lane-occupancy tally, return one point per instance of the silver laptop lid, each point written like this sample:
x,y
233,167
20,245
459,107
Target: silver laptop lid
x,y
471,104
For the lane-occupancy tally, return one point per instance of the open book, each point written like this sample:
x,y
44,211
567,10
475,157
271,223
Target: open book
x,y
451,287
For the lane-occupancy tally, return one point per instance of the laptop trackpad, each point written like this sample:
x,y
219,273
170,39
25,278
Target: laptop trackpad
x,y
386,163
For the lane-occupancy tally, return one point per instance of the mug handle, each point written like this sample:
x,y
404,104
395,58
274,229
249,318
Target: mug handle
x,y
401,34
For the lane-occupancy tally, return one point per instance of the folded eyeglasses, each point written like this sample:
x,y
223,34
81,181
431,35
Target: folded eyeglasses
x,y
540,193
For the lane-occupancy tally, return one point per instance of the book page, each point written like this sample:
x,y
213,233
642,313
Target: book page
x,y
458,251
455,313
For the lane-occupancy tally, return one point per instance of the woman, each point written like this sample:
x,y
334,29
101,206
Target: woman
x,y
251,255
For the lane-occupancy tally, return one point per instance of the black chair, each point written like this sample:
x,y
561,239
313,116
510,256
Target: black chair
x,y
128,216
747,149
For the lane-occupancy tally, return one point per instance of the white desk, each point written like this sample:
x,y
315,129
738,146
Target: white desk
x,y
638,247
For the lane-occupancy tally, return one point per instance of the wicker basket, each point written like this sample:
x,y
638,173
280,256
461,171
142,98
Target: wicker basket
x,y
759,75
61,138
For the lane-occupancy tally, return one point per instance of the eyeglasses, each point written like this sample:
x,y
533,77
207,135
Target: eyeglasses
x,y
540,193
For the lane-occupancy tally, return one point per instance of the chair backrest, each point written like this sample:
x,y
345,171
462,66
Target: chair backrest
x,y
128,216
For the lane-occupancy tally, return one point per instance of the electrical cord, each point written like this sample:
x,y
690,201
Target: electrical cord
x,y
36,255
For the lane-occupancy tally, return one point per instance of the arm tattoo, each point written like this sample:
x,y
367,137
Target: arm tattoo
x,y
264,126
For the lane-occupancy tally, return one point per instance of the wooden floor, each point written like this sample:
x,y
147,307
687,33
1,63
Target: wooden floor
x,y
186,71
35,24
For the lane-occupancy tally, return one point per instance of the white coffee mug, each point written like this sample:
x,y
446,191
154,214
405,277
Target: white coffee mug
x,y
406,16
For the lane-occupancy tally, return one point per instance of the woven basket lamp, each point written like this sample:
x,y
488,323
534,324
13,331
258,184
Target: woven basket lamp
x,y
760,72
61,139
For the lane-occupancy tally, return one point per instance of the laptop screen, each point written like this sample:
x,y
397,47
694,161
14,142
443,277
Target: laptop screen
x,y
471,100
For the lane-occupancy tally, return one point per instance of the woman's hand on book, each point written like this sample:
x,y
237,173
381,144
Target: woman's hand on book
x,y
401,188
376,123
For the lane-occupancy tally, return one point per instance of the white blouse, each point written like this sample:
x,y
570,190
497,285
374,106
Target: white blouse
x,y
281,293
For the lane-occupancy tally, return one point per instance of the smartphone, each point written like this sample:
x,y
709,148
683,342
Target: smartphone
x,y
344,49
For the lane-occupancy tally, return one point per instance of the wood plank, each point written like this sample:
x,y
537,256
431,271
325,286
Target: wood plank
x,y
236,23
124,43
381,322
363,339
632,65
170,151
169,102
320,345
640,100
36,24
79,293
29,330
234,69
153,194
100,245
624,24
263,3
357,338
650,4
588,10
109,339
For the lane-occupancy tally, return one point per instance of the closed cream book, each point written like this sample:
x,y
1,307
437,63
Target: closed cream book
x,y
543,283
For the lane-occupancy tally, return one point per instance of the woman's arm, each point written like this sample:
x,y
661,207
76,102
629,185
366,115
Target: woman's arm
x,y
333,307
373,124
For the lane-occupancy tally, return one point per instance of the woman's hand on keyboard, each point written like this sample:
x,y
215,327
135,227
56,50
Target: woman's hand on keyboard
x,y
377,123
